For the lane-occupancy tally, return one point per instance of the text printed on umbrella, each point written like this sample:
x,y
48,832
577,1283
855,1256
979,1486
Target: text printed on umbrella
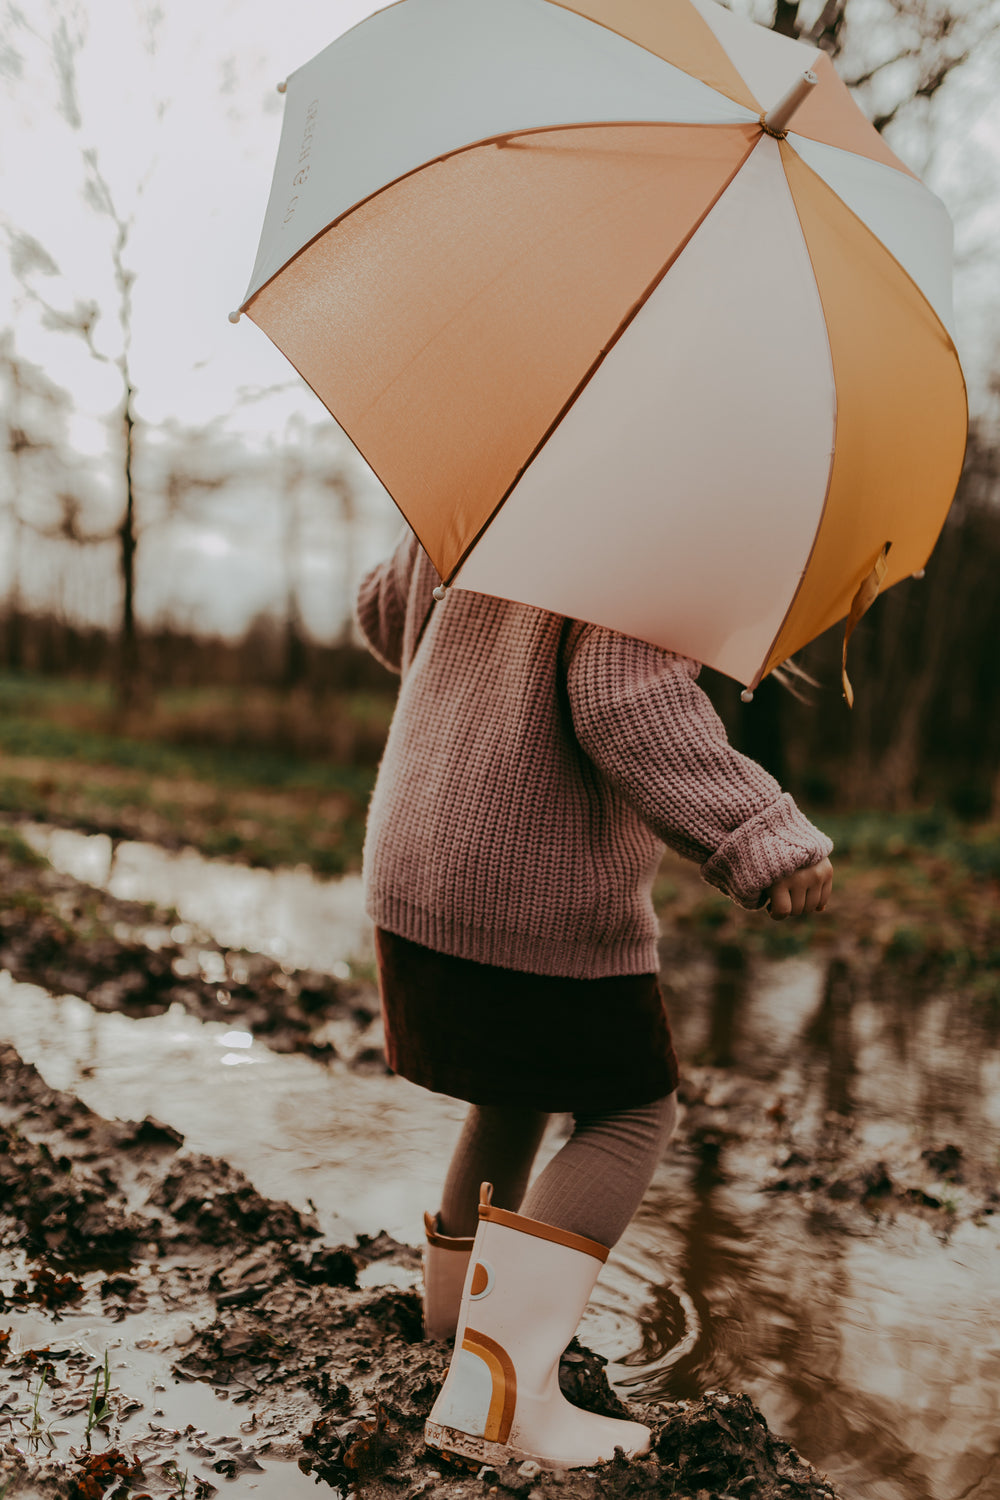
x,y
303,165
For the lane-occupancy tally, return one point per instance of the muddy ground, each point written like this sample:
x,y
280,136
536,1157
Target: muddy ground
x,y
139,959
115,1217
311,1354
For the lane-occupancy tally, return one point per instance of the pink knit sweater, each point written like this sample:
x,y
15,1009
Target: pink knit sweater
x,y
535,768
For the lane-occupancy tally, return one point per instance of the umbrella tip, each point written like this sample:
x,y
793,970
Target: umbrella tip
x,y
776,121
234,317
918,574
746,696
282,87
440,592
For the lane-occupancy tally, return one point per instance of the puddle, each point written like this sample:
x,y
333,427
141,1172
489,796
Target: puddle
x,y
877,1356
287,914
152,1406
868,1338
366,1150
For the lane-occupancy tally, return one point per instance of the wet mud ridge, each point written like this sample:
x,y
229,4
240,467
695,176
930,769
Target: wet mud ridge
x,y
140,1283
139,959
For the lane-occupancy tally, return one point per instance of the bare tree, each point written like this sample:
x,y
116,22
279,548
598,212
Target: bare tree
x,y
79,317
898,54
33,417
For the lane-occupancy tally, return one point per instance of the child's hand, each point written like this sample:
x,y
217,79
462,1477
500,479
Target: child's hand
x,y
803,892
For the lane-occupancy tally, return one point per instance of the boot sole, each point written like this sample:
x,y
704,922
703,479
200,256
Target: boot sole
x,y
470,1452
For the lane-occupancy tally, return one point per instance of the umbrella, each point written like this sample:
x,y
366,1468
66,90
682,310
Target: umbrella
x,y
633,313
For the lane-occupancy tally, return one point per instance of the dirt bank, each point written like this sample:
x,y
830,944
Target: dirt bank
x,y
113,1224
139,959
207,1335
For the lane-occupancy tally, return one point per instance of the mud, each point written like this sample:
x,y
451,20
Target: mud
x,y
245,1350
113,1222
736,1129
140,960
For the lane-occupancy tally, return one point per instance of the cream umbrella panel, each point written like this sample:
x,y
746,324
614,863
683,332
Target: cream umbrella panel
x,y
622,335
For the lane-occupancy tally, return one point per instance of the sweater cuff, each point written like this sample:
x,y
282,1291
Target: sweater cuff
x,y
773,844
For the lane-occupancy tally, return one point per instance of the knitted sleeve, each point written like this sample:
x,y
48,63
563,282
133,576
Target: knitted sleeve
x,y
381,604
641,718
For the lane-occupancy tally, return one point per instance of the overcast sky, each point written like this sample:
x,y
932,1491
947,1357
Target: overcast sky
x,y
181,107
197,121
194,124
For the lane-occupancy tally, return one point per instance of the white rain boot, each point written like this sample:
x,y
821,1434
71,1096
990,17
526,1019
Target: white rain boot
x,y
446,1260
526,1289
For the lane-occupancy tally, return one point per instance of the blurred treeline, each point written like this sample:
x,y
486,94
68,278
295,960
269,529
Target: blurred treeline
x,y
925,729
113,512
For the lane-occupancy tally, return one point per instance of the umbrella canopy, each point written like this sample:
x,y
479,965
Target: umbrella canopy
x,y
621,338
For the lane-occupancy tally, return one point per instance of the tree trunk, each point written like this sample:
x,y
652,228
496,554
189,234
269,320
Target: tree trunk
x,y
128,645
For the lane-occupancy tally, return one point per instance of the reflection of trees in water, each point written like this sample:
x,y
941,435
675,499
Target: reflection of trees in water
x,y
777,1308
937,1054
728,996
828,1041
827,1344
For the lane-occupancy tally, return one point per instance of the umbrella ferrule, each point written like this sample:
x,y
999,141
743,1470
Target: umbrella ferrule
x,y
776,121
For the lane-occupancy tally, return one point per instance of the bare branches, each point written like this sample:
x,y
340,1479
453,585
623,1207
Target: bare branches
x,y
786,17
69,524
65,46
83,316
28,256
828,29
900,52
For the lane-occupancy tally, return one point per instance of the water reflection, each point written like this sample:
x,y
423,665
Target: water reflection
x,y
368,1151
875,1351
287,914
186,1411
728,996
829,1038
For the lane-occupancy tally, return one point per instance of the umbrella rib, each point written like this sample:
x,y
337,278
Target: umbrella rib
x,y
508,139
869,230
589,374
526,256
724,93
788,146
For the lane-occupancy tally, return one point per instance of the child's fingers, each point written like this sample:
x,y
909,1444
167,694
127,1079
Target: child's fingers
x,y
814,896
802,893
827,892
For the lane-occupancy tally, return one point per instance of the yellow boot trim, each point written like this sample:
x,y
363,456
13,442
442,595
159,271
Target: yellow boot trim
x,y
501,1368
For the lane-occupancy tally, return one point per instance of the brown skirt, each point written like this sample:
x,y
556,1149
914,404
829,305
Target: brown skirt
x,y
500,1036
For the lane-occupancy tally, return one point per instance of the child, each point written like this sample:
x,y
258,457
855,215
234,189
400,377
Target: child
x,y
534,769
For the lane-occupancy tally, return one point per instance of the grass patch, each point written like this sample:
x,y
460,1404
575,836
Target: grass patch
x,y
283,779
892,839
15,851
25,736
63,759
917,890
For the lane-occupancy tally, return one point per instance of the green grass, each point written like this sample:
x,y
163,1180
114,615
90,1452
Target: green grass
x,y
26,731
891,839
63,759
227,773
16,851
916,889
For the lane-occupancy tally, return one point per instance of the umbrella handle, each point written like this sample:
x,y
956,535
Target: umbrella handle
x,y
775,122
860,604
